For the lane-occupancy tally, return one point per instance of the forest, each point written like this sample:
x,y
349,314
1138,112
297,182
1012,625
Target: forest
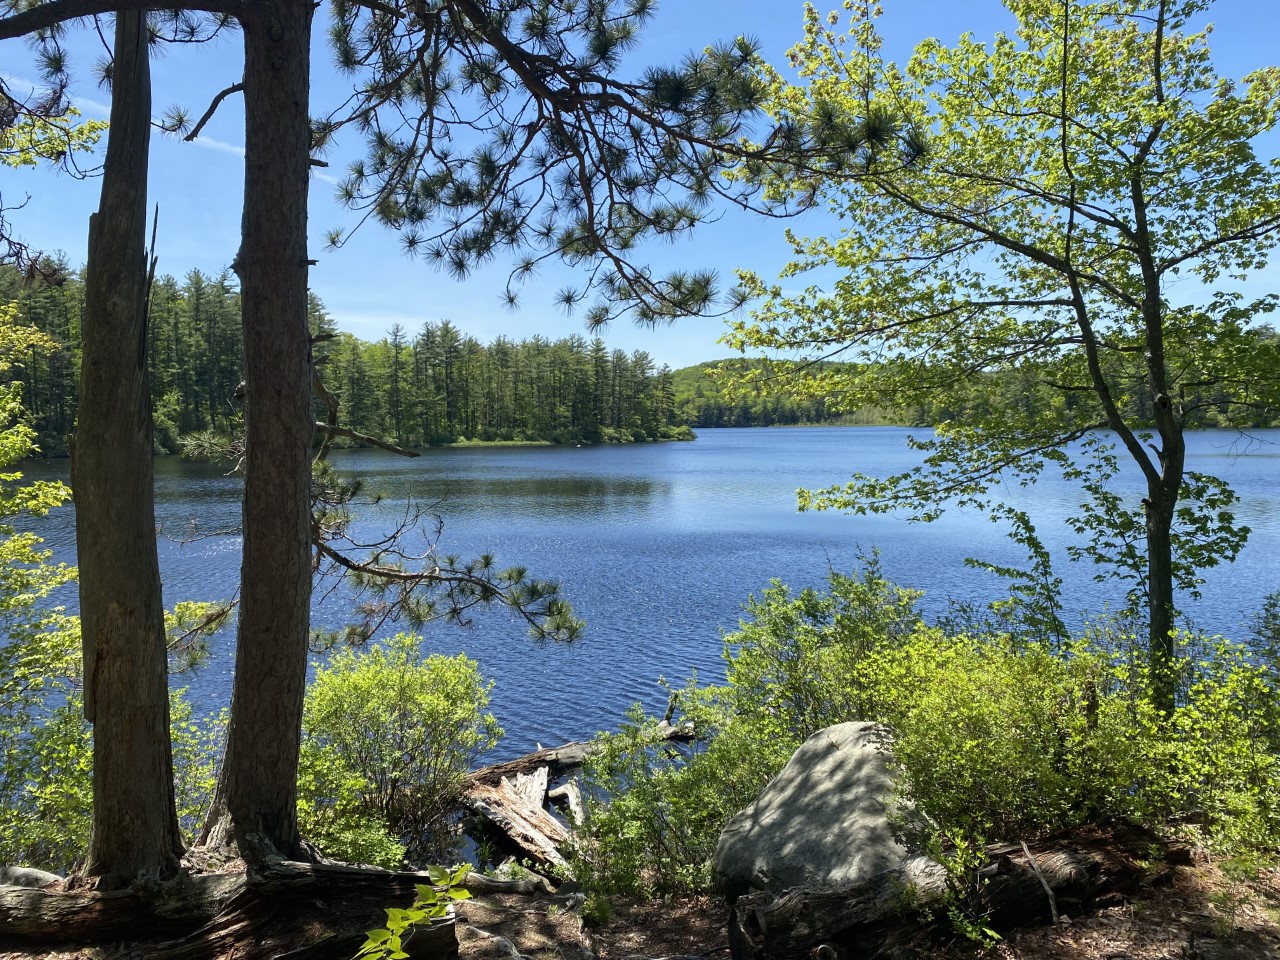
x,y
439,386
433,386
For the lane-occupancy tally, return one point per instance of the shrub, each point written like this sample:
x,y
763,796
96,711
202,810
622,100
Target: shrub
x,y
387,738
654,812
994,737
997,739
793,665
46,778
1219,768
197,750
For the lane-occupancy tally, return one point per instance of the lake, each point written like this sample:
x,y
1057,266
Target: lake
x,y
657,546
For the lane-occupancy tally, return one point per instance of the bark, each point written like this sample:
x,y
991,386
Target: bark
x,y
1161,640
45,917
256,801
888,912
126,697
1163,486
288,909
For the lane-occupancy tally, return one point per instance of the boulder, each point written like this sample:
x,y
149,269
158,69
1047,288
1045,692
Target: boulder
x,y
27,877
823,822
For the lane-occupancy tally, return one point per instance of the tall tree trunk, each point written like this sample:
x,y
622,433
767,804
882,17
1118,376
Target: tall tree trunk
x,y
126,697
256,802
1161,646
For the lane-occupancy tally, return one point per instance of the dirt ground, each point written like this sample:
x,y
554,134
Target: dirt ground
x,y
1194,913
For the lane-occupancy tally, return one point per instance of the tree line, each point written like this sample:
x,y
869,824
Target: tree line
x,y
710,395
439,385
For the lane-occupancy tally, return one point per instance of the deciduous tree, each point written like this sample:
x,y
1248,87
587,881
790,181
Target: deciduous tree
x,y
1088,193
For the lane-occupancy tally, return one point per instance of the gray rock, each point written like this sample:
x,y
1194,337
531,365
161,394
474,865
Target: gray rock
x,y
823,822
27,877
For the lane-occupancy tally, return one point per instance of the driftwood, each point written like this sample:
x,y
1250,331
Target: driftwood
x,y
517,808
879,915
301,911
513,795
568,798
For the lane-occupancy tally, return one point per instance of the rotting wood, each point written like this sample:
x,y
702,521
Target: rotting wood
x,y
891,908
531,788
513,795
525,822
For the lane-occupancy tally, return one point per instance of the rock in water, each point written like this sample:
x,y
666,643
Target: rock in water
x,y
823,822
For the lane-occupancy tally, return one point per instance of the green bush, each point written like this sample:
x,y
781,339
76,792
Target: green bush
x,y
995,738
46,777
793,665
387,737
998,739
655,810
197,751
655,813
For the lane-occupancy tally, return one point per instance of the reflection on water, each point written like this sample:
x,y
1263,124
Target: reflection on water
x,y
658,546
557,496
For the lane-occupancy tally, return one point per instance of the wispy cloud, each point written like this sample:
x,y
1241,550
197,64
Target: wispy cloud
x,y
209,143
91,107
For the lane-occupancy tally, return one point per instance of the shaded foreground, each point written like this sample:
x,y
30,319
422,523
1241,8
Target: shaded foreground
x,y
1153,911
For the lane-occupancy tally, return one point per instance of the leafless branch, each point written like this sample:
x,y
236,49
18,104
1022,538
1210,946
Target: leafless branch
x,y
213,108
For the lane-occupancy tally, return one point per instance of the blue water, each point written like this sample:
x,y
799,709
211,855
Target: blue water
x,y
658,546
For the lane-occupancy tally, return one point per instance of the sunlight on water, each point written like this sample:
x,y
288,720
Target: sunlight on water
x,y
658,547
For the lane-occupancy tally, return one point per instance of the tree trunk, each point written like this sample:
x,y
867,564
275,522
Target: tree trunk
x,y
1161,645
256,802
126,697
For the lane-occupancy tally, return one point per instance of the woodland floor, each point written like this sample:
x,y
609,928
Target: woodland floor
x,y
1192,912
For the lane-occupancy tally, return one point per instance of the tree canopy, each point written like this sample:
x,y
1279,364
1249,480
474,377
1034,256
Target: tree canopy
x,y
1087,201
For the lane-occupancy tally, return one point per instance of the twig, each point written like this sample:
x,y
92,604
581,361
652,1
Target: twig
x,y
1053,901
213,107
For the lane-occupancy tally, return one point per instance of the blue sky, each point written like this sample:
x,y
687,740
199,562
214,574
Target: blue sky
x,y
370,284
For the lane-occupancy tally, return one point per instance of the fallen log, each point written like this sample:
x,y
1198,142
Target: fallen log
x,y
287,895
303,911
513,795
517,808
893,908
51,915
